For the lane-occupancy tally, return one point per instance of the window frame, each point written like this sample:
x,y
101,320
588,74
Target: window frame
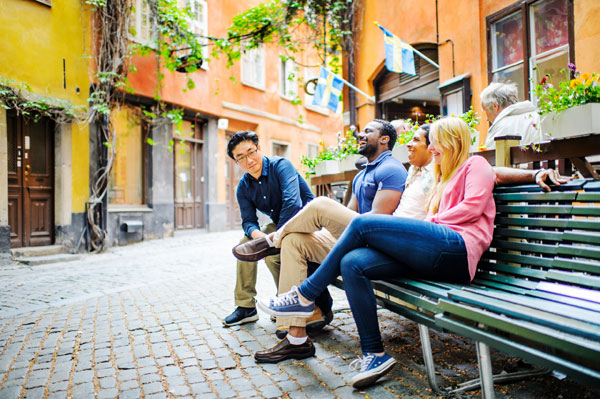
x,y
256,85
288,150
525,7
284,81
136,21
204,28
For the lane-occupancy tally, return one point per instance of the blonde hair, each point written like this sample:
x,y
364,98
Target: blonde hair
x,y
453,137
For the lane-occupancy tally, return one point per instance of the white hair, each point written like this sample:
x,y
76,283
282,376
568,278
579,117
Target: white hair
x,y
503,94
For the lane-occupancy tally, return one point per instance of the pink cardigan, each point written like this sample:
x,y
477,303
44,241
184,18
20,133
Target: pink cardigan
x,y
467,207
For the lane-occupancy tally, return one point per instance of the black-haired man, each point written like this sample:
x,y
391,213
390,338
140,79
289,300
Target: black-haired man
x,y
274,187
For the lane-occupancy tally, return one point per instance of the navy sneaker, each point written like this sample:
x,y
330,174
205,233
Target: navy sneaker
x,y
240,316
372,368
286,305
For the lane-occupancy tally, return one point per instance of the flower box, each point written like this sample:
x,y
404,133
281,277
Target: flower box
x,y
327,167
349,163
576,121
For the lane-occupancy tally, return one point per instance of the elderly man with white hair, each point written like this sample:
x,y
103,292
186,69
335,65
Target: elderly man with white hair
x,y
509,116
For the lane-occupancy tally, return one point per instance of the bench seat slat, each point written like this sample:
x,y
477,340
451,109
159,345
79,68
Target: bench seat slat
x,y
514,270
517,282
520,311
520,259
585,211
588,197
555,223
572,185
525,247
556,308
529,234
584,280
574,292
543,335
490,284
577,265
535,209
583,374
589,238
540,196
592,252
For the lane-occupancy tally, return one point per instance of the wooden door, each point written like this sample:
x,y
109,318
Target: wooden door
x,y
190,196
30,181
234,174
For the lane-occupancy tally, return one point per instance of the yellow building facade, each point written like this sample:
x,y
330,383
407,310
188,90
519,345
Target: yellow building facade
x,y
44,46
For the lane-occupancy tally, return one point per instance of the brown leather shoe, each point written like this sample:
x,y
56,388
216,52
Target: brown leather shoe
x,y
254,250
284,350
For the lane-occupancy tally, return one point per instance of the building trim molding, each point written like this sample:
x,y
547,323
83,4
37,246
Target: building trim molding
x,y
256,112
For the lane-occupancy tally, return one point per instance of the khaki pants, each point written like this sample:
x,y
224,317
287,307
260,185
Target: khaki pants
x,y
245,285
308,236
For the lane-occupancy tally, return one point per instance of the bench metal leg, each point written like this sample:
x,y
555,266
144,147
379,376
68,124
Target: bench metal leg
x,y
428,359
485,370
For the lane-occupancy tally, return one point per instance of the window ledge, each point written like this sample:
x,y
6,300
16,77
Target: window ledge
x,y
129,209
254,86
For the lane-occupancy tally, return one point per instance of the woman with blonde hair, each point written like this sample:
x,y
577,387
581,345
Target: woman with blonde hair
x,y
445,246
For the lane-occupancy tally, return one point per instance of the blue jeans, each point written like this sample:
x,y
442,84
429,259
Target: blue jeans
x,y
380,247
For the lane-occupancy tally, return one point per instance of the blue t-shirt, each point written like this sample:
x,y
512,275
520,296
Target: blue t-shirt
x,y
279,192
384,173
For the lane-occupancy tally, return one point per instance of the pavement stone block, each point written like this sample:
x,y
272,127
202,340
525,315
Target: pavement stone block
x,y
175,380
159,395
200,388
13,392
83,376
108,393
226,362
171,371
152,387
179,390
82,389
209,395
148,370
240,384
125,375
128,385
148,378
35,393
107,382
130,394
58,386
36,383
106,372
58,395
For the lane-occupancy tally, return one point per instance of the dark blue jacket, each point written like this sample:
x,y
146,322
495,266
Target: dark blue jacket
x,y
280,192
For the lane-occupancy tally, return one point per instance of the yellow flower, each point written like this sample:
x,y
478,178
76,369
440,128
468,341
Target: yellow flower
x,y
589,82
482,147
575,82
585,76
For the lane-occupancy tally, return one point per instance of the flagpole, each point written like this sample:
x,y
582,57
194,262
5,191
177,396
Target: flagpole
x,y
351,85
417,51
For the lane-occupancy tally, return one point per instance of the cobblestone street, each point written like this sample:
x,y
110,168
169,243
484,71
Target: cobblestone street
x,y
144,321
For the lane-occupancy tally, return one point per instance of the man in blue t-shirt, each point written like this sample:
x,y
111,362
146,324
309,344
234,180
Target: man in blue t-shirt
x,y
274,187
376,189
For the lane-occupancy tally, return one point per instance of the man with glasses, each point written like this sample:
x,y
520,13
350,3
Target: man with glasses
x,y
274,187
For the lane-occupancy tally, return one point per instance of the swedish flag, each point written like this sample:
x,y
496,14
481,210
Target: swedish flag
x,y
399,56
328,90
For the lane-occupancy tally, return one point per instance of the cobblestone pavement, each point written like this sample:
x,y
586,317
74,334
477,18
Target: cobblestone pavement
x,y
144,321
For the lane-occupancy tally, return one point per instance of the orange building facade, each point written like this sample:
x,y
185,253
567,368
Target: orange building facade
x,y
185,179
474,43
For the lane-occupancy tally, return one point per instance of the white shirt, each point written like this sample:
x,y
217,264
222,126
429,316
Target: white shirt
x,y
416,193
519,119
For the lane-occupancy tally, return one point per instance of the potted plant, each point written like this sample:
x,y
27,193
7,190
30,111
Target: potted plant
x,y
334,159
572,108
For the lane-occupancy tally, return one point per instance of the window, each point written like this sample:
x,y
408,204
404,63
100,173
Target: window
x,y
280,149
456,95
253,67
312,151
126,175
142,28
547,43
310,74
288,81
199,24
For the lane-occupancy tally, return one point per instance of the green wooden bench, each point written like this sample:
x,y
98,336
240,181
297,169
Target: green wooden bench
x,y
536,294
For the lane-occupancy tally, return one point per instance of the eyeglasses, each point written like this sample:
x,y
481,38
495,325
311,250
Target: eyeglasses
x,y
244,158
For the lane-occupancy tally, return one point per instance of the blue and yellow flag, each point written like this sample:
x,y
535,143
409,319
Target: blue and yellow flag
x,y
328,90
399,56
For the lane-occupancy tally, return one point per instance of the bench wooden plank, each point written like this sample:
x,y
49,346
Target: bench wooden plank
x,y
541,235
576,265
535,209
535,196
555,308
514,270
554,223
579,251
540,334
520,259
526,247
574,292
582,373
580,279
520,311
